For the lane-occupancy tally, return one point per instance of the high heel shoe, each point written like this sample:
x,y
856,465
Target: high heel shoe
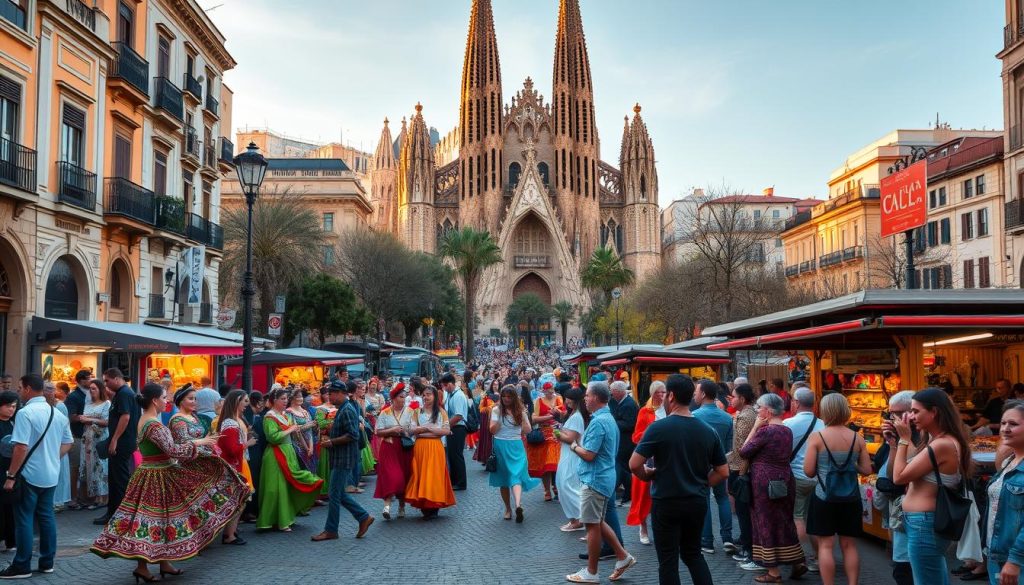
x,y
146,578
174,573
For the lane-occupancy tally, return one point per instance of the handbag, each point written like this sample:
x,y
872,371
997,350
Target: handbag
x,y
103,448
741,489
491,465
777,489
952,506
535,437
15,495
408,443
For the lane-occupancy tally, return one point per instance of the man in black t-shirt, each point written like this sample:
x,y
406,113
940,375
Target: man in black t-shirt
x,y
688,459
75,404
992,414
122,424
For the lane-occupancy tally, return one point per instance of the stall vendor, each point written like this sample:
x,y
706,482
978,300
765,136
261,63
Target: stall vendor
x,y
988,423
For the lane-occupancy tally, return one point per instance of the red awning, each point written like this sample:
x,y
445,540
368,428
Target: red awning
x,y
932,321
795,335
617,362
688,361
346,362
210,350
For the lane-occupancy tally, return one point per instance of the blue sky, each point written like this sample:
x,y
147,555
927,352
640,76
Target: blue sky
x,y
742,93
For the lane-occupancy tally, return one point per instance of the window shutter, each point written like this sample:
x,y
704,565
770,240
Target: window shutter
x,y
968,273
983,275
9,90
74,117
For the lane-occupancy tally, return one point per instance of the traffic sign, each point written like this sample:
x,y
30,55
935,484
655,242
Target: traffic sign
x,y
616,293
274,324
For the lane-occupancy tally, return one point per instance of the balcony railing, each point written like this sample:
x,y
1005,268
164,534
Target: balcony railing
x,y
198,228
211,104
1015,137
852,253
131,67
168,98
17,165
192,144
170,215
156,306
531,261
227,151
830,259
127,199
82,13
216,240
798,219
807,266
77,186
14,13
206,313
1014,213
209,156
792,270
193,86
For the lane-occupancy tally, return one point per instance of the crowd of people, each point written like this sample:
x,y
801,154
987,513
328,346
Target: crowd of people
x,y
785,464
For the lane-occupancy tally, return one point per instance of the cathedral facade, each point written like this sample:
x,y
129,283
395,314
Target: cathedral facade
x,y
529,171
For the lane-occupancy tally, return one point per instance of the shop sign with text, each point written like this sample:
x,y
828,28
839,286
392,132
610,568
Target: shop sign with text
x,y
903,199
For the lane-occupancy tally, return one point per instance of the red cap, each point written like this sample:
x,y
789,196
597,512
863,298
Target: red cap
x,y
398,389
547,386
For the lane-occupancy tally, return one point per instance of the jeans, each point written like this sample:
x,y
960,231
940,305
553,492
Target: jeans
x,y
743,516
338,498
927,550
707,539
623,476
354,475
119,471
36,505
676,525
993,568
454,448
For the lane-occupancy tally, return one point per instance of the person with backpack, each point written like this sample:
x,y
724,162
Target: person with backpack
x,y
835,456
768,447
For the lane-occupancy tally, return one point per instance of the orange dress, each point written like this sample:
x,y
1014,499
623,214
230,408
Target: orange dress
x,y
543,458
429,486
640,507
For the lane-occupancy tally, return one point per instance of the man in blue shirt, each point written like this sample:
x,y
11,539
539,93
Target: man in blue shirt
x,y
457,406
597,449
803,423
42,435
721,423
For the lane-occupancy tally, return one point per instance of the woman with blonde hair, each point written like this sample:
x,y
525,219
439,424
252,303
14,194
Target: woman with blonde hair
x,y
835,455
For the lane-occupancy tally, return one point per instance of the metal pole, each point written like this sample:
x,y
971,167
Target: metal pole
x,y
911,283
617,324
248,292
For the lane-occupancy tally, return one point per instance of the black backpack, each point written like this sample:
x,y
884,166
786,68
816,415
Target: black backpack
x,y
842,483
472,418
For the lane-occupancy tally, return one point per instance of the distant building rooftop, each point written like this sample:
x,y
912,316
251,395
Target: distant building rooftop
x,y
306,164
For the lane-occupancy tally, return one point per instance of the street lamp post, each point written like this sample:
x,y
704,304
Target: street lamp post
x,y
617,294
251,168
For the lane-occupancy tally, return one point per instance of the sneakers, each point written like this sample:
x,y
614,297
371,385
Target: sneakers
x,y
708,550
583,576
812,567
386,512
730,548
752,566
621,567
741,557
14,573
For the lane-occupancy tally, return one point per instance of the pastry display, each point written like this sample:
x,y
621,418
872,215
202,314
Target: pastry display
x,y
984,444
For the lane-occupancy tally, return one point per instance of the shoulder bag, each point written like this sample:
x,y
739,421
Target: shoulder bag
x,y
952,506
810,428
15,495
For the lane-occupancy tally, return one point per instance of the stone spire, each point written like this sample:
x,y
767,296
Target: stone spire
x,y
416,186
480,124
383,180
577,146
640,190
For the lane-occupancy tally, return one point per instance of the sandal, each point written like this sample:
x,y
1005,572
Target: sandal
x,y
766,578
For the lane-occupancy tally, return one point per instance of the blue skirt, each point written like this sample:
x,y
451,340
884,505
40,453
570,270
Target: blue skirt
x,y
512,465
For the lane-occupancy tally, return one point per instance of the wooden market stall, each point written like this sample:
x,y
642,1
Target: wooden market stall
x,y
874,343
299,366
647,364
586,360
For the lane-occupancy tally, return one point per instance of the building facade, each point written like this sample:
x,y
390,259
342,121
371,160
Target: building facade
x,y
529,171
110,161
1012,57
276,145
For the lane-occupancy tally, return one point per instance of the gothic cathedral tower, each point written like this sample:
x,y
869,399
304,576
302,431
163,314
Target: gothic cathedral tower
x,y
640,189
383,180
416,187
577,146
480,125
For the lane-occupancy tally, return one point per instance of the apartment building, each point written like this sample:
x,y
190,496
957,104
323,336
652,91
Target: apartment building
x,y
1012,57
111,153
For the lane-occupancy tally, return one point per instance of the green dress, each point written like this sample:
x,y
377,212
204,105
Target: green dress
x,y
285,487
324,419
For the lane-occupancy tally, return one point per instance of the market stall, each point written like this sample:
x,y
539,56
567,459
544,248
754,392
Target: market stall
x,y
645,365
300,366
872,344
586,360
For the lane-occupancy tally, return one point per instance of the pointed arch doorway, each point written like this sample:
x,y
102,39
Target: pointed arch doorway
x,y
534,333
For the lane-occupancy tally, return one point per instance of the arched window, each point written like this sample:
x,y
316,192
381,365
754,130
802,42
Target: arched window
x,y
61,292
514,170
542,168
531,237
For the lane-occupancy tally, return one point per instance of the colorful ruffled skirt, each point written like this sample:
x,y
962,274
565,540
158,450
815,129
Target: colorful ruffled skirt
x,y
172,511
544,457
430,486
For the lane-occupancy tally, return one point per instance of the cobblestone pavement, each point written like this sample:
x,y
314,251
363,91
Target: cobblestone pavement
x,y
469,543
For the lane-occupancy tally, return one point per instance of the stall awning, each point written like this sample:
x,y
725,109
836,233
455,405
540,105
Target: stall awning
x,y
301,355
795,335
216,333
128,337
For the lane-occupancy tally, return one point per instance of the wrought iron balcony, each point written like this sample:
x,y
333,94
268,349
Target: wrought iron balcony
x,y
807,266
127,199
170,215
206,313
852,253
193,86
532,261
156,306
13,13
798,219
17,165
792,270
198,228
830,259
168,98
192,145
77,186
1014,214
131,67
211,104
83,13
227,151
216,240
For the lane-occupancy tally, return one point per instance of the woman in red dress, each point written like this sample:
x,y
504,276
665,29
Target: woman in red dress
x,y
393,466
640,508
234,442
543,457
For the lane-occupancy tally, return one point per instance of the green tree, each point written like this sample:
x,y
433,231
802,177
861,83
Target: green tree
x,y
325,306
528,308
563,312
471,251
604,271
287,245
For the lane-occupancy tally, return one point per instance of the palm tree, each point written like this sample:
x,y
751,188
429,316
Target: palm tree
x,y
471,251
287,246
530,308
563,312
604,271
